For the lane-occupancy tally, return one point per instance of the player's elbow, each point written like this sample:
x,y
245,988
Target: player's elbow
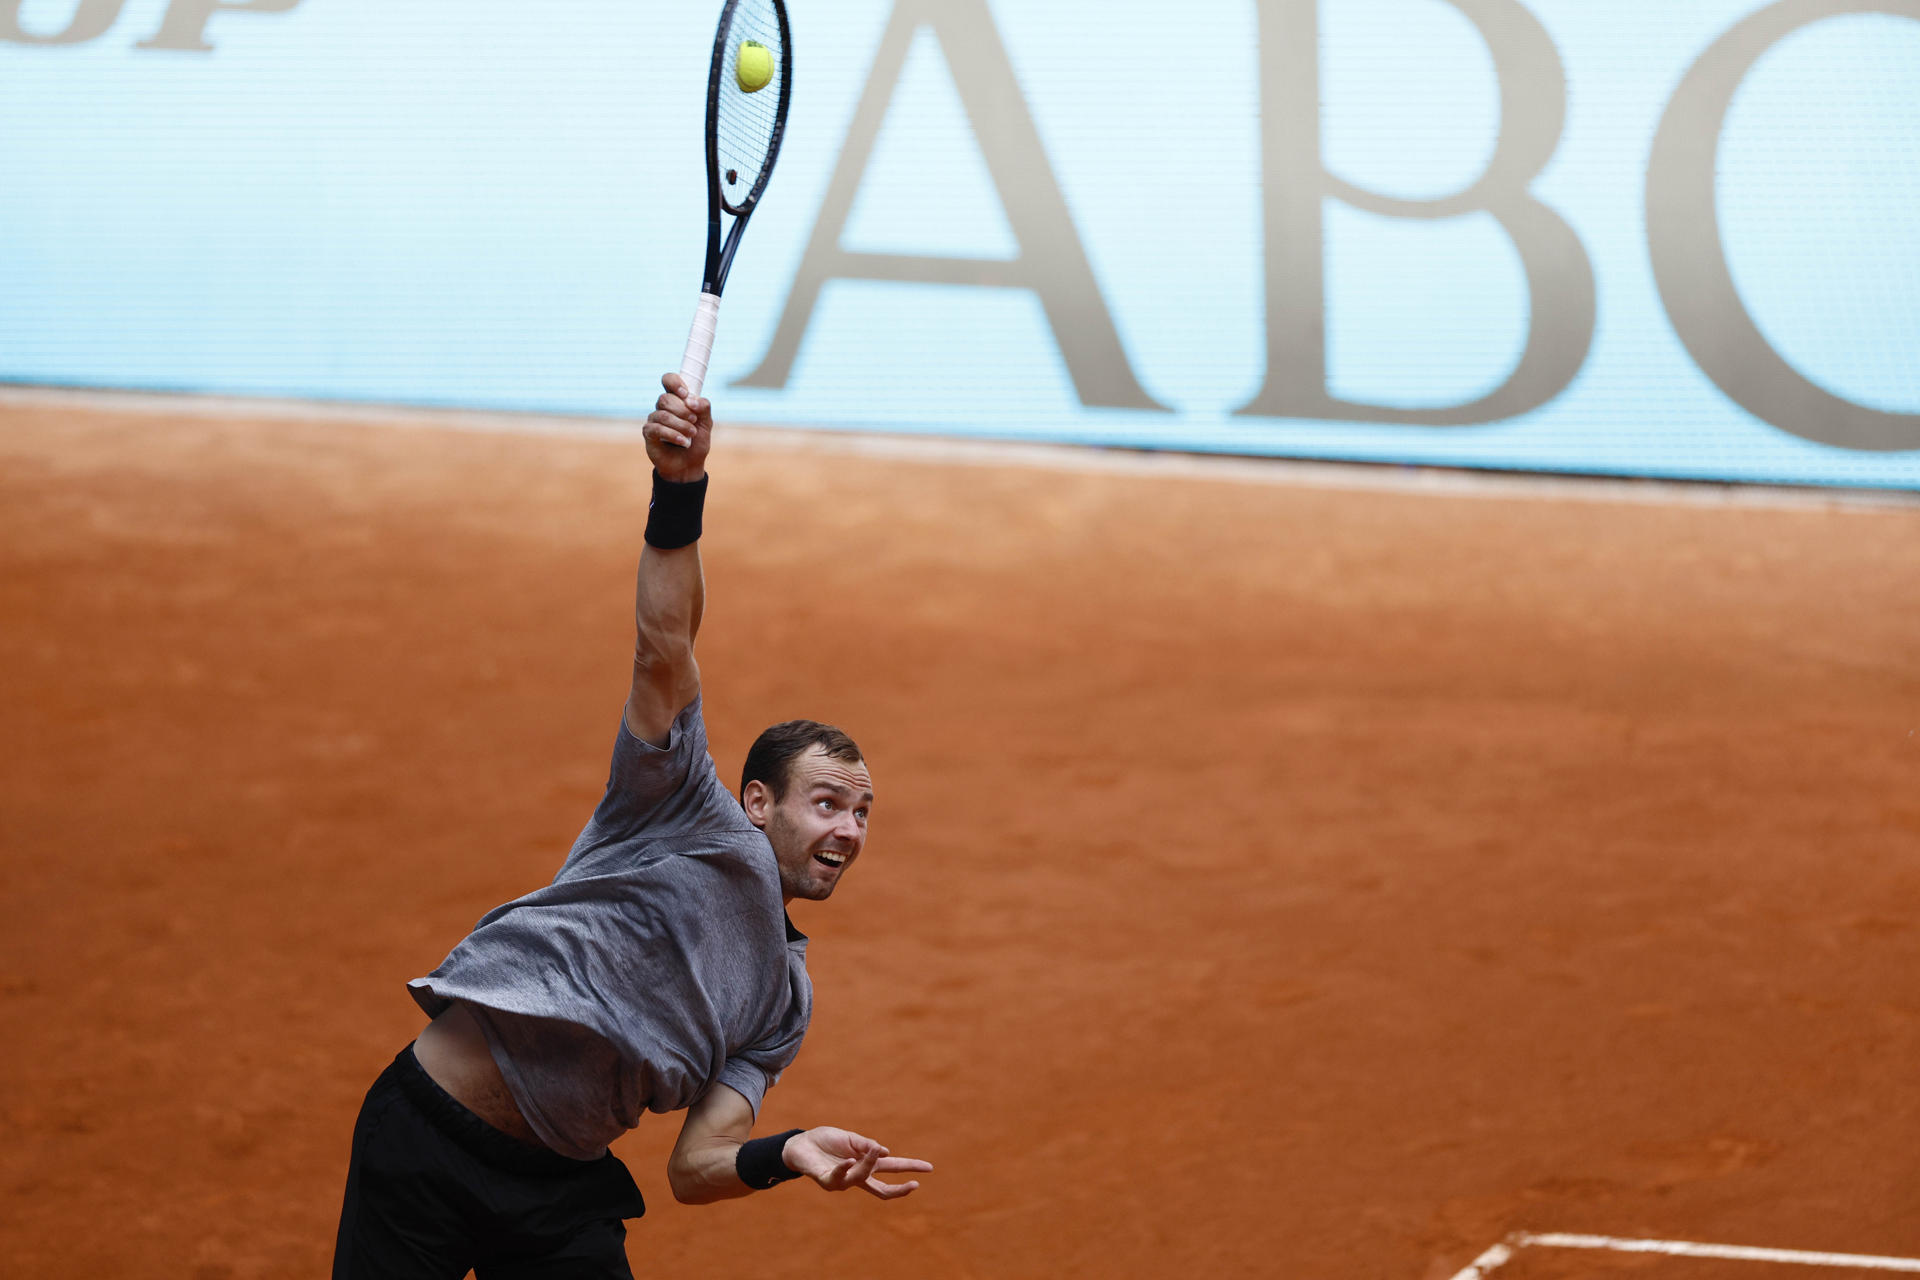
x,y
687,1185
662,659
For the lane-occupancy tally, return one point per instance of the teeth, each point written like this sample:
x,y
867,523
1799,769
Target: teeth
x,y
835,858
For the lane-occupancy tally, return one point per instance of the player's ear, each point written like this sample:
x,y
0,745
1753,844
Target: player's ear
x,y
757,800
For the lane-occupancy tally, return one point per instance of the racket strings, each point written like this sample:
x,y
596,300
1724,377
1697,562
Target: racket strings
x,y
746,123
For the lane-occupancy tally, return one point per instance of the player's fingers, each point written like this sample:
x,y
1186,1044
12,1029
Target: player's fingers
x,y
901,1164
837,1179
674,405
675,423
662,433
674,382
889,1190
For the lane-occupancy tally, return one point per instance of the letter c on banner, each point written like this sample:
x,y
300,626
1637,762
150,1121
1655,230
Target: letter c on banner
x,y
91,20
1690,256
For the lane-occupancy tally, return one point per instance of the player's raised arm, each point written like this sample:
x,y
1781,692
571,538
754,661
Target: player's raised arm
x,y
672,593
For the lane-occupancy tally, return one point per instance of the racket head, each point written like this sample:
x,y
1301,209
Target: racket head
x,y
745,130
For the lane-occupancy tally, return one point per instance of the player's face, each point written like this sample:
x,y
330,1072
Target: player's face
x,y
821,826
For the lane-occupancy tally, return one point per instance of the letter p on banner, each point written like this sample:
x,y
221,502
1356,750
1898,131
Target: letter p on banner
x,y
185,26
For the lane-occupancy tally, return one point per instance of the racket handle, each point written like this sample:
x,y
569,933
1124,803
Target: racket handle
x,y
706,322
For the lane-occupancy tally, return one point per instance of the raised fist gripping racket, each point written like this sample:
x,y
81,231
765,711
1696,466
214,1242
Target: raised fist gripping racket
x,y
748,91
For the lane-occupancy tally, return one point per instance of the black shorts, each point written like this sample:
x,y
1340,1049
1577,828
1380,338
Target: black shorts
x,y
433,1190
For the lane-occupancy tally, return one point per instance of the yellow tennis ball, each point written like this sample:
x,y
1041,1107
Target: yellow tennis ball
x,y
754,68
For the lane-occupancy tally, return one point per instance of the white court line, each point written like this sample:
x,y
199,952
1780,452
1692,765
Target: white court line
x,y
1495,1257
1076,459
1491,1260
1737,1252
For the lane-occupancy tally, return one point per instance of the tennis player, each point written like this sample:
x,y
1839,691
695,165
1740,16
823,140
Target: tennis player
x,y
658,972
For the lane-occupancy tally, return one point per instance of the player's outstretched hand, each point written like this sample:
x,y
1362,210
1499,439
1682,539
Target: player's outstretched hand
x,y
840,1161
679,432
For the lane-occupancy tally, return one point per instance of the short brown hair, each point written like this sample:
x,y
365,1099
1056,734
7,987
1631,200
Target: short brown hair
x,y
771,758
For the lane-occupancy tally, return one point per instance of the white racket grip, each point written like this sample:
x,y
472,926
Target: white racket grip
x,y
706,323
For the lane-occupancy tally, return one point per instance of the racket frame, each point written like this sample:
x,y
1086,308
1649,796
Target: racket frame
x,y
721,248
719,255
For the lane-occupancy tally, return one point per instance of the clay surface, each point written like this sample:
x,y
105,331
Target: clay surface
x,y
1264,881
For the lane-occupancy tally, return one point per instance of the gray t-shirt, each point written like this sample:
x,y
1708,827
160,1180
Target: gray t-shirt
x,y
659,961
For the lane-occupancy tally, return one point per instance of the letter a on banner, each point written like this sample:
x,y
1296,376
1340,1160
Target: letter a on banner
x,y
1560,284
1052,261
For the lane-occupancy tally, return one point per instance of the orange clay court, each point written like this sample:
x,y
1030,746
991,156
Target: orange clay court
x,y
1266,880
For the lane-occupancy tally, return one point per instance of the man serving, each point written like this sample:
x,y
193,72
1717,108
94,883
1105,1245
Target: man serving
x,y
658,972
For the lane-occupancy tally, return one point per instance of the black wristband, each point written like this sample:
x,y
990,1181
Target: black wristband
x,y
759,1162
673,519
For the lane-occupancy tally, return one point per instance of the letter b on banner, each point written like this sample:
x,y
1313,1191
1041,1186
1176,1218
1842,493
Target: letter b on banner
x,y
1560,283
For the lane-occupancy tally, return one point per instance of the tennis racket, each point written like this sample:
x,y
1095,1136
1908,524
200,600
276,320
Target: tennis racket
x,y
748,91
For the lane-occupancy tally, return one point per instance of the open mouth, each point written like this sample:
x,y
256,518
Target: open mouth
x,y
834,860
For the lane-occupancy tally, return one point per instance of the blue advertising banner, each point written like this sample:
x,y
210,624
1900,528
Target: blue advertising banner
x,y
1636,237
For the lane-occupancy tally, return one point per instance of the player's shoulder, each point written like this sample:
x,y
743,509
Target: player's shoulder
x,y
686,739
722,842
